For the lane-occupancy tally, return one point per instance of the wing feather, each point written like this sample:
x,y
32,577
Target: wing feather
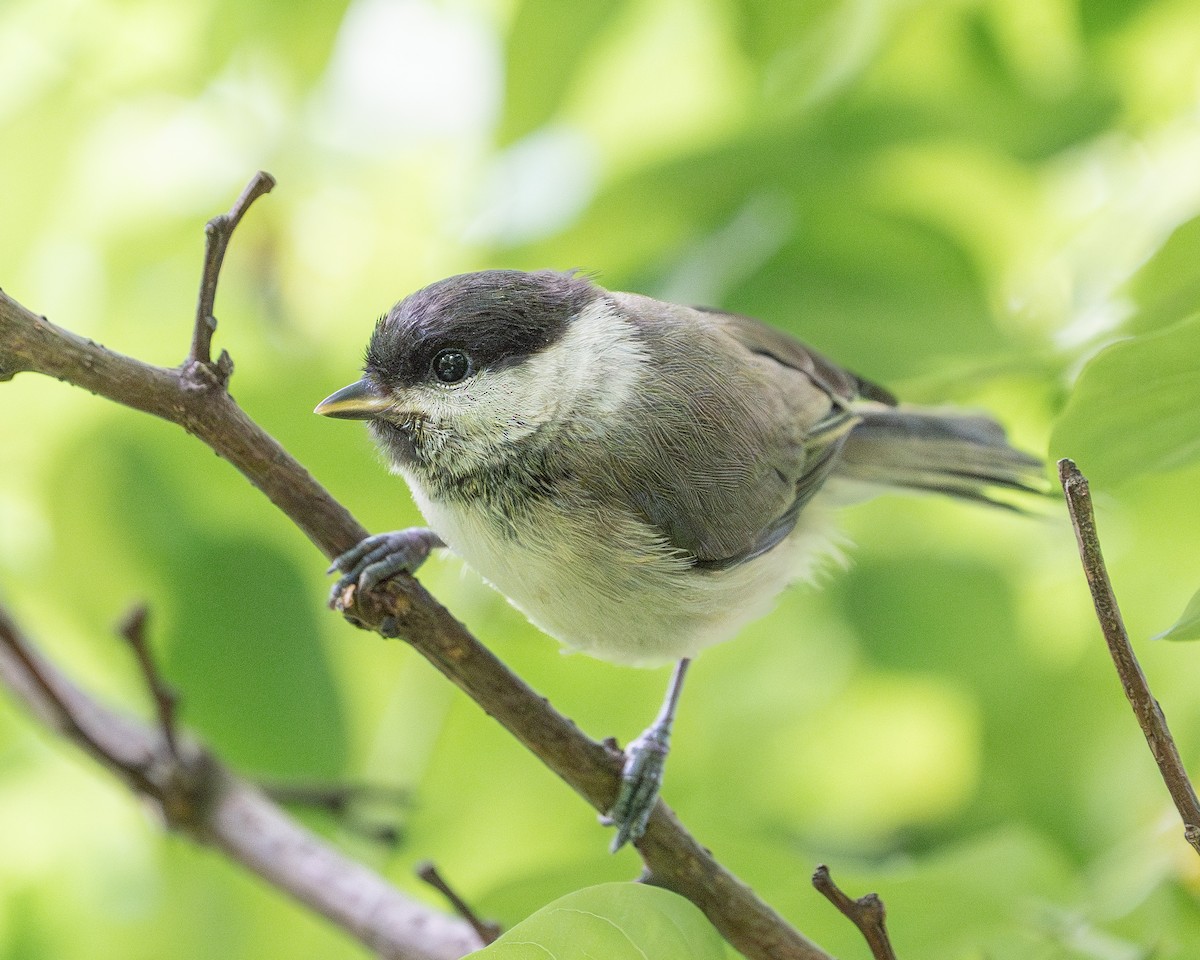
x,y
743,433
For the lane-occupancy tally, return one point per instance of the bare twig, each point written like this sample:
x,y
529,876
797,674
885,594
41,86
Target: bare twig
x,y
62,706
1149,714
403,607
218,232
867,913
488,930
203,799
133,628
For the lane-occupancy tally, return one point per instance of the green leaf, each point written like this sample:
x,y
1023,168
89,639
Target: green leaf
x,y
616,921
1136,407
243,646
1167,287
546,45
1187,627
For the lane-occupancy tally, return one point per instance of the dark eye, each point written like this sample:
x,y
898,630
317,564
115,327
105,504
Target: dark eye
x,y
450,366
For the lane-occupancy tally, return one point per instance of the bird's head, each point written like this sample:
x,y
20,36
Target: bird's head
x,y
468,366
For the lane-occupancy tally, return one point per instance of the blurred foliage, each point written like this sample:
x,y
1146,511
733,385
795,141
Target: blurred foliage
x,y
991,203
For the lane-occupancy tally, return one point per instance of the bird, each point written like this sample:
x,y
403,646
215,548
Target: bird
x,y
640,478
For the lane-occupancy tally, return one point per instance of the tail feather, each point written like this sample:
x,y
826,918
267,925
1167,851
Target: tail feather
x,y
945,451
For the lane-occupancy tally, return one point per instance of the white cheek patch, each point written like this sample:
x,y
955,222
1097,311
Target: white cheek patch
x,y
591,372
600,359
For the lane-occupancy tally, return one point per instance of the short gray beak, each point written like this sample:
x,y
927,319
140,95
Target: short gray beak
x,y
359,401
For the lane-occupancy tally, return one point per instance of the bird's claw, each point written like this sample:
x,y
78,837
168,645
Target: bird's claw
x,y
641,778
375,559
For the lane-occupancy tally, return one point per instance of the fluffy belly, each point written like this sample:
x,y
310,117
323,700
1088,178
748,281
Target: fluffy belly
x,y
607,587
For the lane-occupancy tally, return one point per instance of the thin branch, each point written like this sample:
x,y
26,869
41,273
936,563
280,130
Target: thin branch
x,y
403,607
133,628
64,707
200,797
867,913
218,232
1149,714
488,930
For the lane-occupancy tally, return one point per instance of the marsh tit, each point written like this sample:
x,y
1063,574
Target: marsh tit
x,y
640,478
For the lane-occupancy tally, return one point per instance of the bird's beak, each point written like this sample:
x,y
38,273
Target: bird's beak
x,y
359,401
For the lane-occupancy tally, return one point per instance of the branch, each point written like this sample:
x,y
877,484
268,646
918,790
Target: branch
x,y
218,232
199,796
488,930
867,913
133,628
402,607
1149,714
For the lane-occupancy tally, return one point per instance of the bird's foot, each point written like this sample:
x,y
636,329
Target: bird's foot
x,y
641,778
377,558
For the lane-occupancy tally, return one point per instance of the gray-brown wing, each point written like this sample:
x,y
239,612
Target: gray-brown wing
x,y
785,349
741,430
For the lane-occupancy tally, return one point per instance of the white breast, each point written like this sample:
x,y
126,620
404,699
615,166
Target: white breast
x,y
601,586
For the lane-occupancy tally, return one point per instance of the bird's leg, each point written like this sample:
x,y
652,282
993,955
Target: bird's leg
x,y
645,759
384,555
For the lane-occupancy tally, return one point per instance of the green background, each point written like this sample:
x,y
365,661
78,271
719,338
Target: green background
x,y
990,204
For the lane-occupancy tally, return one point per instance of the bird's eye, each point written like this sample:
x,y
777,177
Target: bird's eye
x,y
450,366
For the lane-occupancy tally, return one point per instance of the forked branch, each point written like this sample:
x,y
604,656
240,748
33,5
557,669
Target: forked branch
x,y
867,913
199,796
671,854
488,930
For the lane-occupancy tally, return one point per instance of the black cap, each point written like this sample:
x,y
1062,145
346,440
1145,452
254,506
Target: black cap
x,y
497,317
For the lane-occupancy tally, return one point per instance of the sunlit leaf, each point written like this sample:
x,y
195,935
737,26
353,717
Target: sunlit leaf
x,y
616,921
1136,407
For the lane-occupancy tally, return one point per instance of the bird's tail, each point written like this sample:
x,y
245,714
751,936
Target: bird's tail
x,y
945,451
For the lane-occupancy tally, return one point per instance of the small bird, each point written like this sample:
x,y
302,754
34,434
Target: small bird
x,y
640,478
